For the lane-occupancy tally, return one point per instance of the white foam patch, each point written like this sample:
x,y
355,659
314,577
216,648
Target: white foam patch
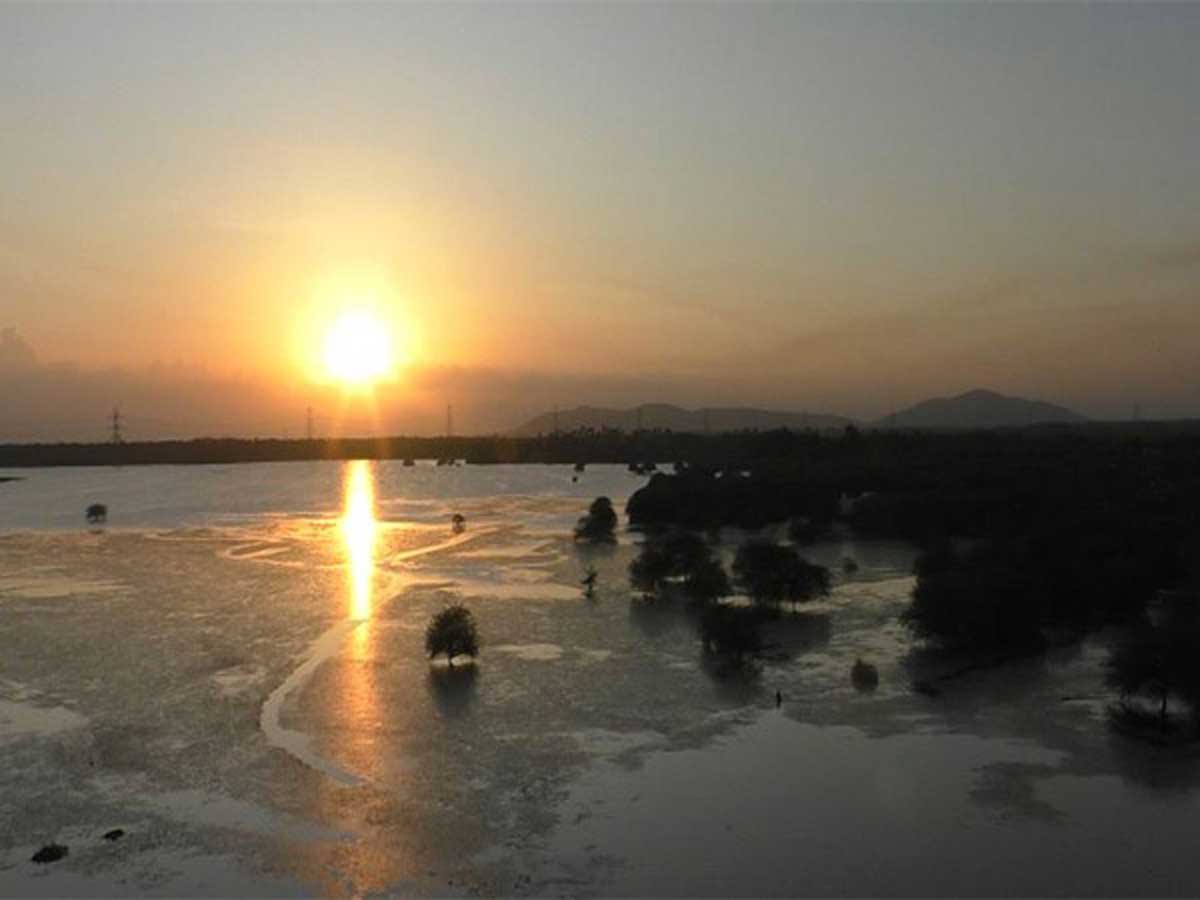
x,y
52,585
25,720
593,655
532,652
238,679
482,587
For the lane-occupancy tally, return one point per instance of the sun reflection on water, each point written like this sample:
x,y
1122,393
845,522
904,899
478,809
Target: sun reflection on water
x,y
359,531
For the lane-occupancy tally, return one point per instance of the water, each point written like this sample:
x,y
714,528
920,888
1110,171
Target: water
x,y
232,672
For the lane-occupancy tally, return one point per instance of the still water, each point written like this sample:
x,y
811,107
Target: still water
x,y
232,672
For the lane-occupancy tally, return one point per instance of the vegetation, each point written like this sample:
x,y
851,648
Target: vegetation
x,y
452,632
600,523
983,598
1157,661
773,574
681,559
730,631
864,676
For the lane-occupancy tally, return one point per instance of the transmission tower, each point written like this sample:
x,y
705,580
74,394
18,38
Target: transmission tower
x,y
309,424
115,437
449,420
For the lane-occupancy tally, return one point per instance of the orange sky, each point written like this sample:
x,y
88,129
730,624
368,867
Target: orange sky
x,y
829,207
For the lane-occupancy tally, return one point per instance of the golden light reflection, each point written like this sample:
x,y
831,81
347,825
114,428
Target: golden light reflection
x,y
359,532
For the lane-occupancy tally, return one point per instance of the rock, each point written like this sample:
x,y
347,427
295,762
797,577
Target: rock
x,y
115,835
51,853
864,676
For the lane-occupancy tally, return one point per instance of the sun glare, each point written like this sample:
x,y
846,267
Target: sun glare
x,y
358,533
358,349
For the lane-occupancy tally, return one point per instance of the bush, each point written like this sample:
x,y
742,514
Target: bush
x,y
452,632
772,574
683,557
707,581
980,599
730,631
600,523
1160,659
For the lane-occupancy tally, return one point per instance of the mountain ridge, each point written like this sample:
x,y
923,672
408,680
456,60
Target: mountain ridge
x,y
978,408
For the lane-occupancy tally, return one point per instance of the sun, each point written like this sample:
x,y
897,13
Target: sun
x,y
358,349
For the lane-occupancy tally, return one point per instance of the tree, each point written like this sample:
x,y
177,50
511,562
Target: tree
x,y
707,581
650,569
600,523
1160,657
452,632
681,557
730,630
772,574
981,599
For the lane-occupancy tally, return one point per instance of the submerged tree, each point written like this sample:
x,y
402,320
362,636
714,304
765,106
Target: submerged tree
x,y
680,558
773,574
650,569
730,631
1159,659
981,599
707,582
452,632
600,523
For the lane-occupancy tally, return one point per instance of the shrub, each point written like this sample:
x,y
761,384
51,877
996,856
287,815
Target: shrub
x,y
730,630
452,632
772,574
600,523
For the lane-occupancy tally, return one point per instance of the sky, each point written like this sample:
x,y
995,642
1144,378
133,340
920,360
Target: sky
x,y
843,207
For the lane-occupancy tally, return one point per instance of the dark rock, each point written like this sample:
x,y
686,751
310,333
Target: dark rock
x,y
114,835
50,853
864,676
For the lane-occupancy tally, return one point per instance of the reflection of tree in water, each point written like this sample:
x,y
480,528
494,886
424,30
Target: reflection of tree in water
x,y
453,690
658,620
794,633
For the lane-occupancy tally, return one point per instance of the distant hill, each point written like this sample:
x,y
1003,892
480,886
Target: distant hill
x,y
978,409
675,418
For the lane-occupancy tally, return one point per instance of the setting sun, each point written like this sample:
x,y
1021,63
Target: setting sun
x,y
358,349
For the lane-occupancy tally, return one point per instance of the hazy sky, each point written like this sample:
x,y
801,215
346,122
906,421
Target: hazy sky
x,y
843,207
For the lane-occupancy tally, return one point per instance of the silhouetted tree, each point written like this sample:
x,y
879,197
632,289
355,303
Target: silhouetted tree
x,y
452,632
773,574
599,525
730,630
1159,658
680,557
650,569
983,598
706,582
